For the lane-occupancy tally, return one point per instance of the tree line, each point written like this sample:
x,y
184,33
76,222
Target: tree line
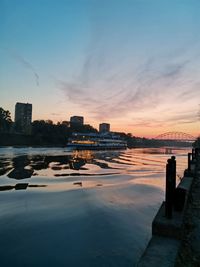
x,y
45,132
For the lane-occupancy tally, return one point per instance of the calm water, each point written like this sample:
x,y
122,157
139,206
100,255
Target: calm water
x,y
80,208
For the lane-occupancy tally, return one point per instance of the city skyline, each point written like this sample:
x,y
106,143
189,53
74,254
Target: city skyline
x,y
133,64
23,117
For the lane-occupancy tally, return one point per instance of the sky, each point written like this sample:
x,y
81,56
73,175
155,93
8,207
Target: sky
x,y
132,63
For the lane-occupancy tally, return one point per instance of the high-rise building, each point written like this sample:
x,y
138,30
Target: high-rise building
x,y
104,127
23,117
77,120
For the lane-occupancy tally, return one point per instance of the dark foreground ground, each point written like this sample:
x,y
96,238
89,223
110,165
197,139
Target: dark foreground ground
x,y
189,255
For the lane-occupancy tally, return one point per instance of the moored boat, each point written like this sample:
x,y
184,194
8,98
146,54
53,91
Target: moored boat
x,y
96,142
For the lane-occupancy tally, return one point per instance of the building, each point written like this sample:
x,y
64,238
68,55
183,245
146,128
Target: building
x,y
78,120
104,127
23,118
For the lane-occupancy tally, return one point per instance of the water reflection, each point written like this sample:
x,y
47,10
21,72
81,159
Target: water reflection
x,y
24,166
135,164
20,186
74,199
160,151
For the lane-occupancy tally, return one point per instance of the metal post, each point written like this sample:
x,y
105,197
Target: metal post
x,y
173,173
170,186
193,154
189,162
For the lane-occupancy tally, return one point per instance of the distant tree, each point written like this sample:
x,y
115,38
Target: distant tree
x,y
47,133
5,120
85,128
49,122
67,123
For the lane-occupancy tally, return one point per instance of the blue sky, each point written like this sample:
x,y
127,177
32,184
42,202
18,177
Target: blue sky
x,y
132,63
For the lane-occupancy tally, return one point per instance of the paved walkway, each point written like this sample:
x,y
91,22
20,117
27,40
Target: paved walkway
x,y
189,255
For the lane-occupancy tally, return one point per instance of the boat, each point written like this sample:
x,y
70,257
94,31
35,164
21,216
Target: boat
x,y
95,141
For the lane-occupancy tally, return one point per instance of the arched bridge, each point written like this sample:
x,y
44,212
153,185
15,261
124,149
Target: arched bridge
x,y
176,136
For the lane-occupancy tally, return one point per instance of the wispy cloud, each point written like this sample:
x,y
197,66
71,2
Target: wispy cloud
x,y
121,92
169,120
115,83
24,63
192,92
55,114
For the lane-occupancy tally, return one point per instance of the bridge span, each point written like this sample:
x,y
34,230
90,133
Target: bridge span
x,y
176,136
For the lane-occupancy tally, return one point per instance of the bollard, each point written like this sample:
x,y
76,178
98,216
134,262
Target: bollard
x,y
173,162
170,186
193,154
189,162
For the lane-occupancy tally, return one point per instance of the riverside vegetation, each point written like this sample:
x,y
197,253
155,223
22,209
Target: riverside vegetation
x,y
46,133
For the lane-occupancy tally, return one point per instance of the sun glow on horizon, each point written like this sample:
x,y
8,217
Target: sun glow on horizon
x,y
142,78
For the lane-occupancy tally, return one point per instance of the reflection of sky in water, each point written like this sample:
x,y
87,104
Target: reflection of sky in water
x,y
142,166
98,214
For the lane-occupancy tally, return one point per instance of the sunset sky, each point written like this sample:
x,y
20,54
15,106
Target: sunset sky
x,y
132,63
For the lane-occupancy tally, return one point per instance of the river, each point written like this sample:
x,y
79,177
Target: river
x,y
80,209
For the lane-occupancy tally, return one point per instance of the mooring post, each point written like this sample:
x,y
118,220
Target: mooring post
x,y
173,163
193,154
170,186
189,162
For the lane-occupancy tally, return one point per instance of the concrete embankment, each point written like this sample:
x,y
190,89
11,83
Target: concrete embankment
x,y
172,243
189,253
